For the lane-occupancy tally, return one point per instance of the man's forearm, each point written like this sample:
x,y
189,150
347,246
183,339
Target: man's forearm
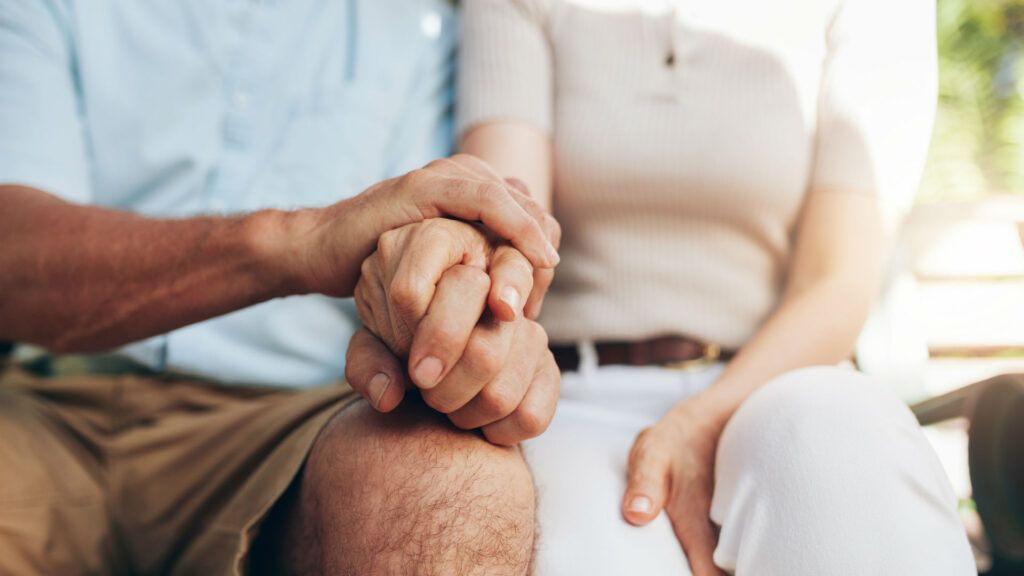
x,y
81,278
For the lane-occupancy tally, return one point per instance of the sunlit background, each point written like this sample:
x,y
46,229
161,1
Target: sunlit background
x,y
979,132
953,313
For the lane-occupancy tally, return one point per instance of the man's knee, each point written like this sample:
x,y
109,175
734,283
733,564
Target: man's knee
x,y
406,493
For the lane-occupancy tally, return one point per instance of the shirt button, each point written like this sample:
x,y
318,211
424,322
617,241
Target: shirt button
x,y
430,25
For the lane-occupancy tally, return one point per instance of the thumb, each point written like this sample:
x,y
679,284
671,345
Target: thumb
x,y
374,372
648,479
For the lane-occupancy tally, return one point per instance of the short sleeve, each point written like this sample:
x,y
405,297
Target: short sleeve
x,y
505,70
877,99
41,140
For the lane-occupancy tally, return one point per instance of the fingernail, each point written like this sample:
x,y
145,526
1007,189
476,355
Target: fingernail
x,y
510,296
428,371
377,387
552,254
641,504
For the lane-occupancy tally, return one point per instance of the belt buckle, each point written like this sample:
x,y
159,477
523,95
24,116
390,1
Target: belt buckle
x,y
711,353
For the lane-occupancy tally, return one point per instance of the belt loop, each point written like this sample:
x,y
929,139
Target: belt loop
x,y
588,358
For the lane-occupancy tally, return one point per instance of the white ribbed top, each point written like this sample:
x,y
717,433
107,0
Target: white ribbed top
x,y
678,186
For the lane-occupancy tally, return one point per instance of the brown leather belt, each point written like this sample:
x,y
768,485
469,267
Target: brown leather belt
x,y
674,352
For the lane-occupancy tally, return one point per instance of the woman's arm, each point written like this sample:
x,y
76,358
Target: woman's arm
x,y
521,151
832,280
515,150
505,111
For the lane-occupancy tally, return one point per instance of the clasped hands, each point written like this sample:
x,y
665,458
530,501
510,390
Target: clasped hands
x,y
448,311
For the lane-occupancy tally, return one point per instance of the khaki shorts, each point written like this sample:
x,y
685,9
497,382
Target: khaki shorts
x,y
145,474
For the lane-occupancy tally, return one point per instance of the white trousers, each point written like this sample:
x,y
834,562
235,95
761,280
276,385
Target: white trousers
x,y
821,472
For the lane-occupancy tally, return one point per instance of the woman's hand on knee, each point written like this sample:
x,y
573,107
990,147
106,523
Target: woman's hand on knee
x,y
671,468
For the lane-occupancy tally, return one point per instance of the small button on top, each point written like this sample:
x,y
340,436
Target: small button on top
x,y
430,25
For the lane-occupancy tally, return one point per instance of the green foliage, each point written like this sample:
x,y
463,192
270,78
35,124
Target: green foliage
x,y
978,146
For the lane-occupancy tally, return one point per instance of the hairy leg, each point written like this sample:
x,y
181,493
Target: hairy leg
x,y
407,493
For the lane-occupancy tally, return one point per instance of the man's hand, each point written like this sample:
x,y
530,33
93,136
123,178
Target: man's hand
x,y
671,468
426,294
338,238
83,278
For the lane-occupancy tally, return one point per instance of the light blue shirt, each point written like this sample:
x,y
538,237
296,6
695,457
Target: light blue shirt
x,y
181,107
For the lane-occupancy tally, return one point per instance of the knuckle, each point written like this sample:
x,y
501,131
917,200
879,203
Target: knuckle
x,y
352,377
456,189
519,186
440,232
435,225
472,277
482,359
536,333
388,237
402,295
643,447
490,191
643,472
531,205
415,179
517,265
497,401
354,359
367,269
388,242
533,421
363,308
444,333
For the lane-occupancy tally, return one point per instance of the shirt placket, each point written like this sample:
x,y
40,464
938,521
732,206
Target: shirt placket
x,y
240,74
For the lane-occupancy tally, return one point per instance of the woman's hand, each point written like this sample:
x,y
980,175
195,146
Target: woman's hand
x,y
445,273
448,296
671,468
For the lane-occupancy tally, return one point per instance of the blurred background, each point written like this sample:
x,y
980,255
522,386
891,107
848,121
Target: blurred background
x,y
979,133
953,312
